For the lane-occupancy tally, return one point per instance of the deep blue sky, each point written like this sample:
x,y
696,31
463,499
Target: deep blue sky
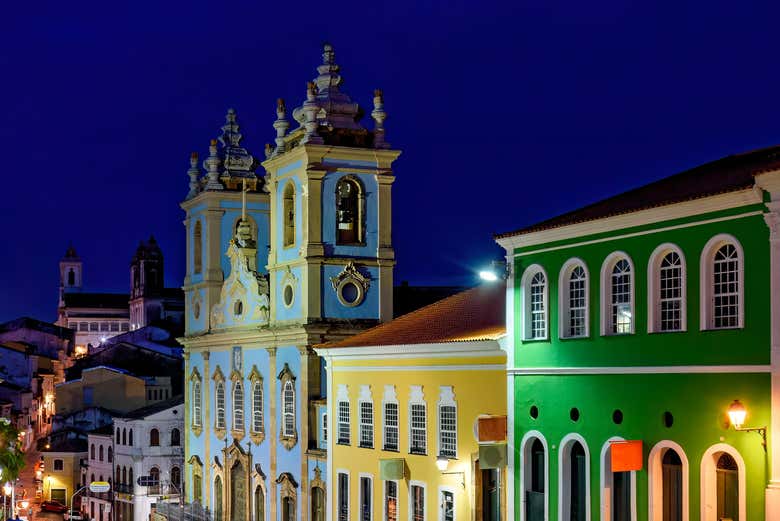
x,y
506,114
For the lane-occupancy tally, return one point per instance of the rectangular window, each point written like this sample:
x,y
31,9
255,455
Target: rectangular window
x,y
325,429
125,326
73,325
447,506
391,426
418,503
87,395
114,326
448,435
391,501
343,497
58,464
365,499
104,326
418,428
93,326
343,438
367,425
83,326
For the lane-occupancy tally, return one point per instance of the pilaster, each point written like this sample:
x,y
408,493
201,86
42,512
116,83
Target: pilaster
x,y
206,407
303,438
385,245
312,213
272,432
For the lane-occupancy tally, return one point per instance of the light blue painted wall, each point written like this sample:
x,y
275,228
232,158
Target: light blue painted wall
x,y
258,212
332,308
329,216
284,254
295,311
289,460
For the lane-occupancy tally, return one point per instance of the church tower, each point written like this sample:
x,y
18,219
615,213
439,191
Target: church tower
x,y
214,212
331,252
70,271
146,284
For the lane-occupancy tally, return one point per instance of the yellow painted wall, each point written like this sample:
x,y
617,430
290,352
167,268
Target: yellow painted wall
x,y
110,389
69,476
476,392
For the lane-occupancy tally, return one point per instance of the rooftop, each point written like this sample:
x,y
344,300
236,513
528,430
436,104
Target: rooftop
x,y
97,300
148,410
67,445
729,174
472,315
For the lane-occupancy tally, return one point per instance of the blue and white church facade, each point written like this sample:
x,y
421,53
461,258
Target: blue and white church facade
x,y
276,264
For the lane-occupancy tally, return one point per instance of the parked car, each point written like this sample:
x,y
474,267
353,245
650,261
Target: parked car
x,y
73,515
53,506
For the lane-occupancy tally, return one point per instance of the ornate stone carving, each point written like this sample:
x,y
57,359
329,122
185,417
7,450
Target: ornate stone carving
x,y
288,439
255,378
350,276
219,379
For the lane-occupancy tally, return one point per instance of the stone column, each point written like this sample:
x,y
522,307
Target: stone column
x,y
206,413
271,434
510,386
303,436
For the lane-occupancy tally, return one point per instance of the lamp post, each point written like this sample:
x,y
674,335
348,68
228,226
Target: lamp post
x,y
7,488
737,415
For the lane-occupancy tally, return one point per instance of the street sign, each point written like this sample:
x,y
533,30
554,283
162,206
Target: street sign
x,y
99,486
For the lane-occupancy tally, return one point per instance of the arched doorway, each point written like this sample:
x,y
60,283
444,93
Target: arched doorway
x,y
534,477
723,484
618,489
727,483
574,479
668,482
238,492
672,486
218,499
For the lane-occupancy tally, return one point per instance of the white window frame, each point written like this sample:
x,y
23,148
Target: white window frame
x,y
372,508
706,304
324,425
606,482
564,475
446,398
525,283
364,398
219,416
257,407
606,293
390,397
416,397
197,405
439,496
342,396
338,497
238,411
424,486
654,289
288,385
564,298
398,517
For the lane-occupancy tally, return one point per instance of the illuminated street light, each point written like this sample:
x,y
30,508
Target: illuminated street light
x,y
489,276
737,415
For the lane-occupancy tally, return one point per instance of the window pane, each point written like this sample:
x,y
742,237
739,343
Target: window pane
x,y
391,426
343,435
418,428
538,322
418,503
577,304
391,501
366,424
726,287
621,297
448,431
670,292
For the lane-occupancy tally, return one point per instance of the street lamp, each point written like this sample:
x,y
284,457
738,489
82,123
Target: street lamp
x,y
737,415
443,462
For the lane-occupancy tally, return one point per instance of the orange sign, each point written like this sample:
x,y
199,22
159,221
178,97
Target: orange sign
x,y
626,455
491,428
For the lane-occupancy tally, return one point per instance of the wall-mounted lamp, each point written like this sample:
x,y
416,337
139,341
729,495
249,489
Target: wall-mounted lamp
x,y
442,462
497,270
737,414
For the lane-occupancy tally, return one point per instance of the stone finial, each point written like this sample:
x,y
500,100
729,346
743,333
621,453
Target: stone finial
x,y
310,109
194,173
328,54
281,125
379,115
269,150
211,164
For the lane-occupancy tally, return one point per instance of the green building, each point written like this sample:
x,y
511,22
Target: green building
x,y
637,322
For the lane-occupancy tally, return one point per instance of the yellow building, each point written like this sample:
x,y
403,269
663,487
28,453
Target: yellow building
x,y
416,420
62,469
106,387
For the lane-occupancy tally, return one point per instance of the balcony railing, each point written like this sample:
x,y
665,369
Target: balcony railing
x,y
183,512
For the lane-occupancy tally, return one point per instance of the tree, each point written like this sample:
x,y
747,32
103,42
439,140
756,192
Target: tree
x,y
11,455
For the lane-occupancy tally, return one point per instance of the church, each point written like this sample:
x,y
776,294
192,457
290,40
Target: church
x,y
276,264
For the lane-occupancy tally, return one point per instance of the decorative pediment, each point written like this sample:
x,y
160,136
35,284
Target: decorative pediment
x,y
218,376
258,473
216,465
195,460
255,376
350,285
195,375
317,482
286,478
286,373
244,296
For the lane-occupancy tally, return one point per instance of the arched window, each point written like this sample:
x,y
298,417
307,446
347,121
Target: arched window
x,y
722,284
92,452
124,436
130,476
197,242
238,406
124,475
573,300
288,214
534,284
217,507
154,438
666,289
100,453
617,293
118,475
288,398
175,438
176,478
110,455
349,211
288,509
259,503
71,277
118,436
257,407
317,504
219,398
728,487
196,404
130,438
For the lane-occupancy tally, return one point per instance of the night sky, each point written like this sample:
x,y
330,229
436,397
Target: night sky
x,y
506,114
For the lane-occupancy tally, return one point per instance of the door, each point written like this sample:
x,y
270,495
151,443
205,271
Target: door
x,y
727,488
491,497
621,496
671,470
578,497
534,497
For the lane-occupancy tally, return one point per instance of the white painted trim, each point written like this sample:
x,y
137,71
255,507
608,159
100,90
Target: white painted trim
x,y
349,490
394,368
525,446
606,483
370,495
709,495
330,405
509,338
654,288
446,397
706,307
511,471
397,498
660,369
605,283
640,234
416,397
365,397
456,349
525,284
454,492
390,396
417,483
564,478
669,212
563,297
655,480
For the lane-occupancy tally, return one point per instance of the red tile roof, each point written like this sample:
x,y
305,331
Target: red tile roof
x,y
729,174
475,314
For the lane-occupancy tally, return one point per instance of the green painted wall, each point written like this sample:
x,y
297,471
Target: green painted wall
x,y
698,403
641,348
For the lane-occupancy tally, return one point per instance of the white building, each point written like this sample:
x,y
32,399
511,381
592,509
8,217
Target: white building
x,y
148,449
100,463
